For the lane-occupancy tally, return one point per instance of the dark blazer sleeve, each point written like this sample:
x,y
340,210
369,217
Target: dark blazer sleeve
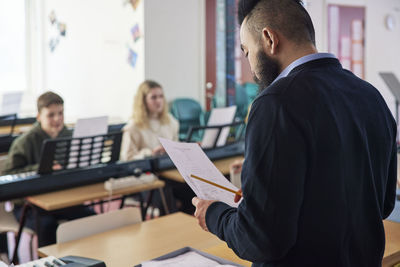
x,y
390,194
264,226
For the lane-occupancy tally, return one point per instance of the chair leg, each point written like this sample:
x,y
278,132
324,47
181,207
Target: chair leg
x,y
31,247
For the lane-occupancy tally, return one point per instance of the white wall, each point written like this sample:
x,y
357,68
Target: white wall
x,y
381,45
175,46
89,66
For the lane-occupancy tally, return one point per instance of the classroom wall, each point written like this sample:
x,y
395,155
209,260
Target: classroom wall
x,y
382,48
175,46
89,66
90,69
381,45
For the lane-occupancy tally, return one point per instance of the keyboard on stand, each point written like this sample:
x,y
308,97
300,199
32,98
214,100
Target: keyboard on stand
x,y
67,261
128,181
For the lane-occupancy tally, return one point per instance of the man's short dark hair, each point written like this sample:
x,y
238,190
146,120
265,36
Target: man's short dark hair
x,y
47,99
286,16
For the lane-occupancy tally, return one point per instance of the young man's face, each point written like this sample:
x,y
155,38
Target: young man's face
x,y
51,119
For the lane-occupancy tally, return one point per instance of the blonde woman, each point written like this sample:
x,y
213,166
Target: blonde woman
x,y
149,121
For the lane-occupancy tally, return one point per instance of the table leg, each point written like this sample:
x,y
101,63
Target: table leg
x,y
164,202
148,202
22,221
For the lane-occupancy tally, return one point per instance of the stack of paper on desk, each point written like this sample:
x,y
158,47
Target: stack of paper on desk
x,y
190,159
188,259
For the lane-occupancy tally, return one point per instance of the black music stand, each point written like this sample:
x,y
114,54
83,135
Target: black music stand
x,y
9,120
8,138
239,127
73,153
394,85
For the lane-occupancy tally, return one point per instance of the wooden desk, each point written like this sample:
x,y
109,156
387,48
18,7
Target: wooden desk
x,y
392,250
221,164
223,251
130,245
18,129
133,244
79,195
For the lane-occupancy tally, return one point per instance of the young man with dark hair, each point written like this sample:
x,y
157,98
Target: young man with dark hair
x,y
320,166
24,155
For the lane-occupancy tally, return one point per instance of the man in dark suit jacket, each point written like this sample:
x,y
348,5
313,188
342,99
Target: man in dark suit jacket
x,y
319,174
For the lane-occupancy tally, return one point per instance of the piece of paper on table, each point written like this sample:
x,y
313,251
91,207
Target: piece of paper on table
x,y
91,126
189,159
191,258
218,116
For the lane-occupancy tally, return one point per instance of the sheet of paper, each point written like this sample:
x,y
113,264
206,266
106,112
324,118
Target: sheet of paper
x,y
11,103
189,159
91,126
218,116
188,259
191,258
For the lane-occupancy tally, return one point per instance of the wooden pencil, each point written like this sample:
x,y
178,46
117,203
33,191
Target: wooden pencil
x,y
215,184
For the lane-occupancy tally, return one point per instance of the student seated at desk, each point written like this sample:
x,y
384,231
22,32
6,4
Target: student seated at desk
x,y
24,155
151,120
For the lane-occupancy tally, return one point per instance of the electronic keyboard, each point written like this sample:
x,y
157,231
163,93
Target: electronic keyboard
x,y
27,184
68,261
21,185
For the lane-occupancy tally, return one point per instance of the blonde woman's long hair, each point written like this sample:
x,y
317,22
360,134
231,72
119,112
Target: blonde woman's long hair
x,y
140,114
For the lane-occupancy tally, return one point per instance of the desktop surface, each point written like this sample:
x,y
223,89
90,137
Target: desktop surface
x,y
79,195
130,245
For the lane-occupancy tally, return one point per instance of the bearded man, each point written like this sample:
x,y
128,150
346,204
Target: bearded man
x,y
319,174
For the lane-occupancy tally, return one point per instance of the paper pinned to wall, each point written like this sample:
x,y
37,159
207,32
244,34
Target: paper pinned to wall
x,y
189,159
218,116
11,103
91,126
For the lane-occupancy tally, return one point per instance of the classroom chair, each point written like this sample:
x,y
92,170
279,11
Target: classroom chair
x,y
189,113
8,223
83,227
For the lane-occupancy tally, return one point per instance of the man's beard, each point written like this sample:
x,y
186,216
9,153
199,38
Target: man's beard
x,y
268,69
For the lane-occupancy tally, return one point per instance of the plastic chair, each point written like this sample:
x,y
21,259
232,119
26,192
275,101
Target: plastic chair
x,y
80,228
8,223
189,113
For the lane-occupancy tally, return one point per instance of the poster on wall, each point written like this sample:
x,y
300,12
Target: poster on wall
x,y
136,33
58,30
132,58
346,36
133,3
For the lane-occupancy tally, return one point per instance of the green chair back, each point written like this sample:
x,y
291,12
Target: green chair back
x,y
189,113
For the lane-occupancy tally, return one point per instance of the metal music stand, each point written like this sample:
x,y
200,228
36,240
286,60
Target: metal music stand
x,y
239,129
394,85
73,153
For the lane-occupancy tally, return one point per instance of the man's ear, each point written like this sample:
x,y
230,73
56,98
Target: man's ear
x,y
38,117
270,41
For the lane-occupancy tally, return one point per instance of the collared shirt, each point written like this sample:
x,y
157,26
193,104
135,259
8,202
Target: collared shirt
x,y
301,61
